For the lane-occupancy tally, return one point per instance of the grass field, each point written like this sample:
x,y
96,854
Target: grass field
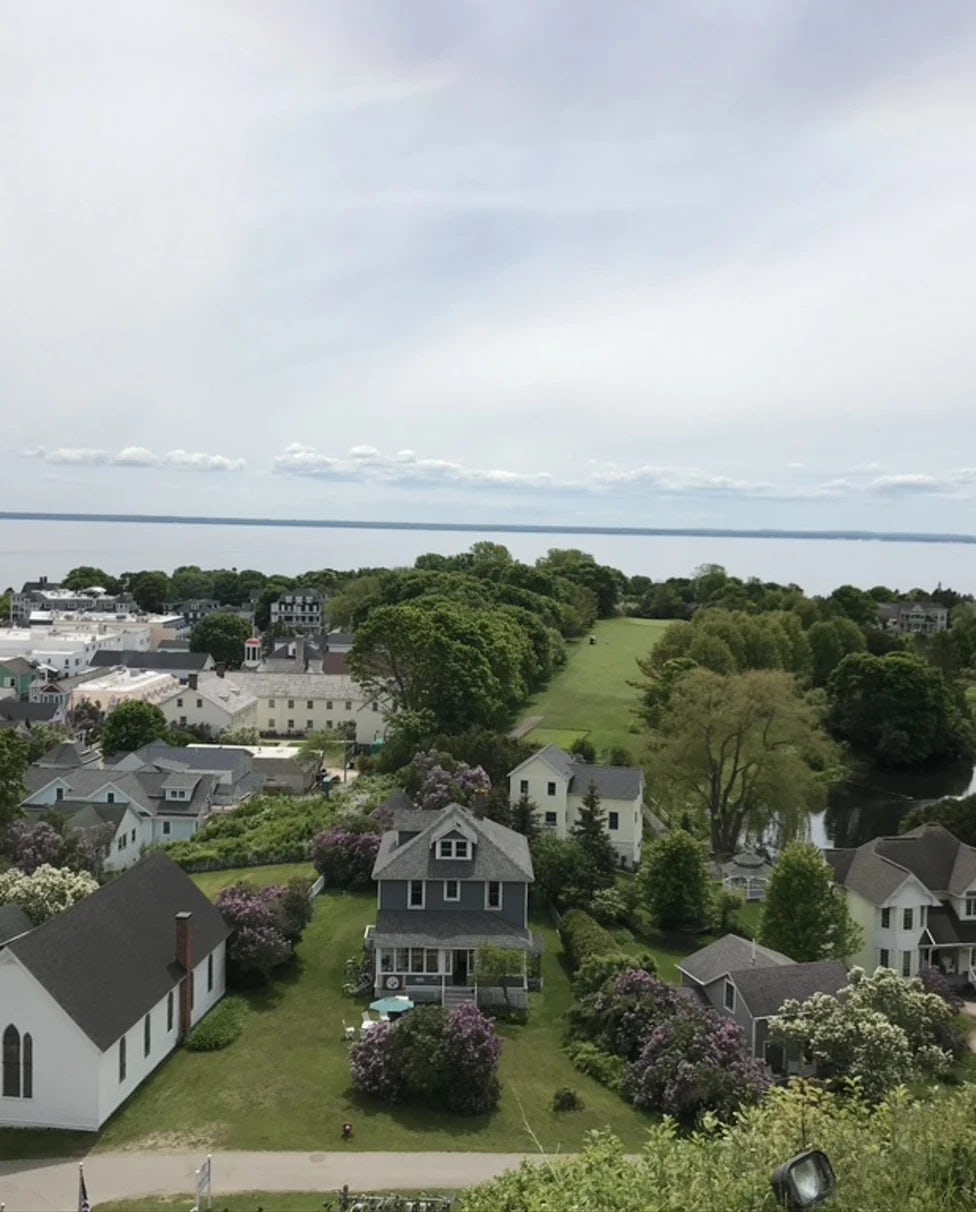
x,y
214,882
591,696
284,1084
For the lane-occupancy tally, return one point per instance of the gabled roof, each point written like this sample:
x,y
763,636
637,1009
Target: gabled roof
x,y
947,929
612,782
196,757
161,660
499,853
18,667
144,787
729,954
13,922
399,801
18,711
111,957
934,856
66,755
765,989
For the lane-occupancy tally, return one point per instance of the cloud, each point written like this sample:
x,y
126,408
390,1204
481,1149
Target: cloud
x,y
135,456
958,483
366,463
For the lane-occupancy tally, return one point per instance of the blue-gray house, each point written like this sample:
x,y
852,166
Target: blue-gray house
x,y
448,884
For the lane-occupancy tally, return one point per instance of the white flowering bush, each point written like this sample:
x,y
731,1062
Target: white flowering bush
x,y
46,892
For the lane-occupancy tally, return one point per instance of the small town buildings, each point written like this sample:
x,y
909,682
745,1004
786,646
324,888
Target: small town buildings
x,y
448,884
295,704
914,618
914,897
16,713
116,686
43,595
750,983
556,782
299,610
279,767
180,664
232,767
16,675
210,700
94,1000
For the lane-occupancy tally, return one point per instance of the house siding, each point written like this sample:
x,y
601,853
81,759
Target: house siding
x,y
393,895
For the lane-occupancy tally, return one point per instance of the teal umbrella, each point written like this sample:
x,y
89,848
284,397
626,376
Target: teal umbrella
x,y
391,1005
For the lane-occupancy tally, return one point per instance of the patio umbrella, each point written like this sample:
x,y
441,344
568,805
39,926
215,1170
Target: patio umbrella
x,y
391,1005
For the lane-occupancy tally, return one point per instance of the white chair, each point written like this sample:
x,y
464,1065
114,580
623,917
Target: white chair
x,y
384,1018
349,1032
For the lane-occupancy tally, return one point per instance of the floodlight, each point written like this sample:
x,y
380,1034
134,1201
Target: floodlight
x,y
806,1181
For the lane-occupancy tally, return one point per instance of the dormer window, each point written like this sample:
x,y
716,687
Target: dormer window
x,y
453,848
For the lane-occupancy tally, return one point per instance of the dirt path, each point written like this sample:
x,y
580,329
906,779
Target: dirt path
x,y
526,726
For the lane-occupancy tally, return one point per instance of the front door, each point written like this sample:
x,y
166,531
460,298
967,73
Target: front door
x,y
460,973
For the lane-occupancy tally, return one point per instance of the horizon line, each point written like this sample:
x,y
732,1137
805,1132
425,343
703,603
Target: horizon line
x,y
705,532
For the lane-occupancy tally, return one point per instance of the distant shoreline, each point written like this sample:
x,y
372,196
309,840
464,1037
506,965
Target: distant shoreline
x,y
705,532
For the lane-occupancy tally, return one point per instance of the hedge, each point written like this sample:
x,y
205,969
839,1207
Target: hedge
x,y
583,938
220,1028
589,1058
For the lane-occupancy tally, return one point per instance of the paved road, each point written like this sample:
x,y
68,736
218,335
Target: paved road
x,y
48,1185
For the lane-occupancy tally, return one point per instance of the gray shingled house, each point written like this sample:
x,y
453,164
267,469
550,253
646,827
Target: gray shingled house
x,y
448,884
750,983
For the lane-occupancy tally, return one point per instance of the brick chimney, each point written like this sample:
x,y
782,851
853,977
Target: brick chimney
x,y
301,660
220,669
193,681
184,957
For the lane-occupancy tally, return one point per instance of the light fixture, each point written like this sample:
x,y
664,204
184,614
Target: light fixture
x,y
805,1181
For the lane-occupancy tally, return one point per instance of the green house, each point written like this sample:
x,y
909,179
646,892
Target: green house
x,y
17,674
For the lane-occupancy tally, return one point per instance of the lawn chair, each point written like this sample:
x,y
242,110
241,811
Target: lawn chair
x,y
349,1032
367,1024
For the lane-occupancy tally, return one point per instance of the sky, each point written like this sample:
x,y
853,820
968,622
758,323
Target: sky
x,y
673,263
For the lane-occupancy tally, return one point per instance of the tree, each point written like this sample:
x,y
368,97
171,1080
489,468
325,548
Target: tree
x,y
674,881
132,725
525,818
43,737
46,892
590,831
32,844
738,754
880,1031
345,858
318,747
956,815
257,943
150,591
805,915
86,577
88,719
830,641
659,684
223,636
560,867
494,965
898,709
13,767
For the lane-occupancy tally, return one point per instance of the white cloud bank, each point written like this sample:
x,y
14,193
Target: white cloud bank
x,y
137,456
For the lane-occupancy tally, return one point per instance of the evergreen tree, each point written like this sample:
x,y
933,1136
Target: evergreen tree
x,y
524,818
590,831
805,916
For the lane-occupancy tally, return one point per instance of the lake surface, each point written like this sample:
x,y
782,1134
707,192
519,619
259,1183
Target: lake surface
x,y
29,549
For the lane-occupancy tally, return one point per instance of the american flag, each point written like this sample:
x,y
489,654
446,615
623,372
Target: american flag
x,y
84,1204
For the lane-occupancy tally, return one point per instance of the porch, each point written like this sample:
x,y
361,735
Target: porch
x,y
949,944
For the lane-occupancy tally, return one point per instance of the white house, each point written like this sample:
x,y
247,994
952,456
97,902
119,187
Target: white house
x,y
914,897
92,1001
556,782
295,704
302,609
117,686
213,701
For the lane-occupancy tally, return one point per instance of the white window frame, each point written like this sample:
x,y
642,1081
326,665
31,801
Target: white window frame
x,y
423,894
729,988
488,905
971,905
886,918
613,821
457,891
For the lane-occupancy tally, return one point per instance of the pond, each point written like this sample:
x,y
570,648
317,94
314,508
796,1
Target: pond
x,y
873,804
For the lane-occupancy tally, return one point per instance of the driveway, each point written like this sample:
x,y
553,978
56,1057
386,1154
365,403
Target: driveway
x,y
47,1185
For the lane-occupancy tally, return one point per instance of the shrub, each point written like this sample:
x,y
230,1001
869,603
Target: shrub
x,y
583,938
566,1099
345,859
46,892
609,1071
583,749
624,1012
472,1050
934,981
594,972
220,1028
373,1070
294,908
31,845
257,944
609,907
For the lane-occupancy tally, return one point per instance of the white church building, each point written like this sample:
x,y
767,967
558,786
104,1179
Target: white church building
x,y
92,1001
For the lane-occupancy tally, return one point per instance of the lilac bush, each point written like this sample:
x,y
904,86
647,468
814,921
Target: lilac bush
x,y
345,859
693,1062
31,845
622,1014
257,944
374,1071
437,779
472,1050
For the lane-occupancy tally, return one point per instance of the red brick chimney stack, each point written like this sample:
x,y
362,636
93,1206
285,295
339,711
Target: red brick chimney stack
x,y
184,957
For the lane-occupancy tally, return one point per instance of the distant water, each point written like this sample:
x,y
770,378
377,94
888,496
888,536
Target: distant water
x,y
32,548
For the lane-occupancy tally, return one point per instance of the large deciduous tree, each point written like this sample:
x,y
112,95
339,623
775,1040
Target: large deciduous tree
x,y
223,636
898,709
805,915
87,577
14,759
674,881
739,755
150,590
132,725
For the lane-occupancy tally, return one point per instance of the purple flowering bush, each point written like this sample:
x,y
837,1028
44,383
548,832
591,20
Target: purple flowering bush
x,y
621,1015
258,942
431,1058
345,859
437,779
31,845
693,1062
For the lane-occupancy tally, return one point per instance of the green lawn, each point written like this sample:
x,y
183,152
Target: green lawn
x,y
284,1084
214,882
591,695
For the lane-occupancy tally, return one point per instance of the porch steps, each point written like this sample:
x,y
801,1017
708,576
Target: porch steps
x,y
457,996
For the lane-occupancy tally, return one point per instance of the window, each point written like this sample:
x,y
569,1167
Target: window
x,y
452,890
461,848
122,1059
11,1062
309,724
309,703
906,919
27,1067
328,704
883,958
970,903
271,702
271,725
210,972
291,704
402,961
169,1011
550,788
133,831
523,786
885,918
166,827
59,793
493,895
110,797
291,725
199,702
349,704
551,820
375,705
179,702
728,997
146,1035
416,895
906,963
613,820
